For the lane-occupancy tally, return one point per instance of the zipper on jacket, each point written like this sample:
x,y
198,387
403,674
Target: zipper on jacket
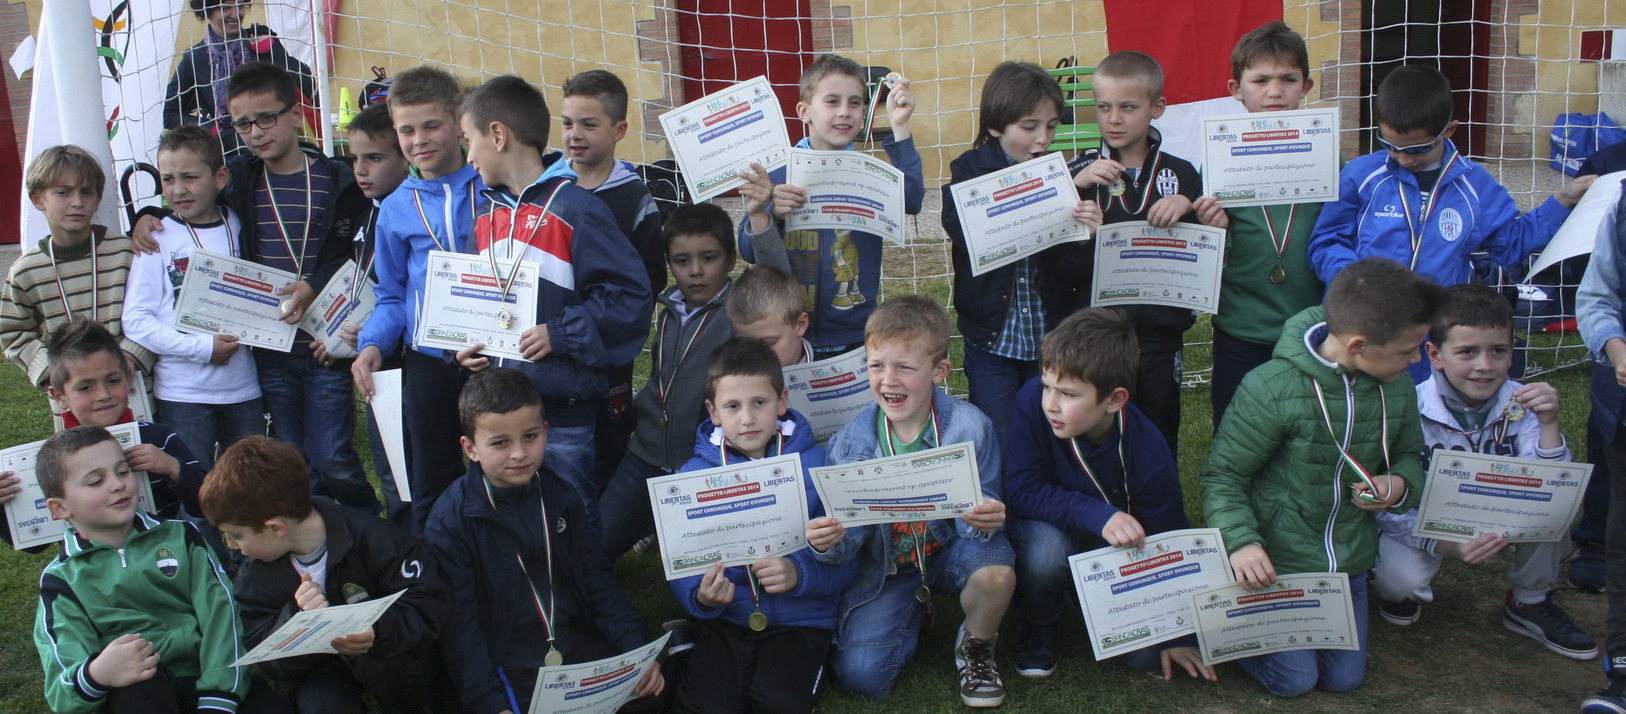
x,y
122,563
1337,475
446,208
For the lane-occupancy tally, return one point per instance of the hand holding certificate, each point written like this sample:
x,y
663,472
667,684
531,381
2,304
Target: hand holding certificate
x,y
1274,158
477,300
830,392
922,486
1138,597
715,136
223,295
1011,214
847,190
345,301
313,631
1308,611
27,516
598,687
1178,266
732,514
1524,500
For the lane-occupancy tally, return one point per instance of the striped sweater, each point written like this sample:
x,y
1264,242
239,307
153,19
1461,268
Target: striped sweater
x,y
33,302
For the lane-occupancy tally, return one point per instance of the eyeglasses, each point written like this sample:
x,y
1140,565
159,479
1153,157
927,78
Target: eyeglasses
x,y
268,120
1414,150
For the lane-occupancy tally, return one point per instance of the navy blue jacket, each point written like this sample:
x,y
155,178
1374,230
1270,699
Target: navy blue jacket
x,y
190,96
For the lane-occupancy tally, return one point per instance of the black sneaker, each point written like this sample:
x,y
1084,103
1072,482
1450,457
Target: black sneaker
x,y
980,685
1588,571
1401,613
682,639
1609,700
1544,622
1036,651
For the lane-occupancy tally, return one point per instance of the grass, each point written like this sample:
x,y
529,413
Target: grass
x,y
1457,659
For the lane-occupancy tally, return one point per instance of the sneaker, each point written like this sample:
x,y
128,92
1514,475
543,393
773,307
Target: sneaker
x,y
841,302
1401,613
1036,651
1609,700
1544,622
1587,570
647,544
682,639
980,685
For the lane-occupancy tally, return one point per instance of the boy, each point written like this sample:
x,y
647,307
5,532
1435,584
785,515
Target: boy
x,y
1418,203
534,588
1070,486
206,388
423,106
700,252
77,271
306,553
907,341
740,664
1330,408
1469,404
593,303
839,270
1134,180
123,577
765,304
1267,278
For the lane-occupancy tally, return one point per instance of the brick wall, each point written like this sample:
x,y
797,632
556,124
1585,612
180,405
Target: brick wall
x,y
13,28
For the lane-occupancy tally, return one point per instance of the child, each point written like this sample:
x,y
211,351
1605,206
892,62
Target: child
x,y
1418,203
1004,312
1122,176
839,270
516,540
700,252
907,341
1267,278
1469,404
306,553
206,388
1071,486
765,304
77,271
135,614
423,106
737,666
1333,397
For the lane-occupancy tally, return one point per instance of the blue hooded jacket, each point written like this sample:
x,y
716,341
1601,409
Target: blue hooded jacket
x,y
401,245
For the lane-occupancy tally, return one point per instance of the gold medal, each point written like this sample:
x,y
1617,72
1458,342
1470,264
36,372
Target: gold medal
x,y
1277,275
923,593
757,621
1514,411
1117,188
286,305
505,319
553,659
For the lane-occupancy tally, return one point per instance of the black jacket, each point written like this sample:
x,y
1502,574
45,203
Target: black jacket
x,y
190,96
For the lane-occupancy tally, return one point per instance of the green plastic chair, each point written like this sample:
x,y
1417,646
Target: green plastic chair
x,y
1076,84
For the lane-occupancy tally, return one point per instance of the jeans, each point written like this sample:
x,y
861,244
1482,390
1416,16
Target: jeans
x,y
1289,674
625,506
880,635
994,381
313,408
1233,360
569,455
204,427
1044,583
1589,532
1615,544
429,418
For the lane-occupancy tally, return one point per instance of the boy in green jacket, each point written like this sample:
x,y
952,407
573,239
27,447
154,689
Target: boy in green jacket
x,y
1318,439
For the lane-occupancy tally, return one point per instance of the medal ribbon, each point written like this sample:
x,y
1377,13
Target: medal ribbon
x,y
663,381
933,436
362,271
1428,210
95,279
1078,456
231,241
779,437
430,229
547,539
276,212
1149,175
1326,417
513,222
1287,233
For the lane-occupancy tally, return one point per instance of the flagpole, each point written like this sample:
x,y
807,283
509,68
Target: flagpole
x,y
66,68
324,109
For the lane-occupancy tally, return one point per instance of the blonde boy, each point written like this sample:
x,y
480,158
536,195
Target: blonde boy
x,y
766,305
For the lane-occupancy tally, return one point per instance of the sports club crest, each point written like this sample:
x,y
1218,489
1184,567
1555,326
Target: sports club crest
x,y
1167,183
1450,225
167,563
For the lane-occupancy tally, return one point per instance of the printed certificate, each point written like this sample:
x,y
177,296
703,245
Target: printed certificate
x,y
717,135
1308,611
733,514
847,190
26,515
1178,266
830,392
922,486
340,303
464,306
599,687
222,295
1137,597
1271,158
1526,500
1011,214
310,631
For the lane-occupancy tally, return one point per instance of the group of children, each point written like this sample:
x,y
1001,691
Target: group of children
x,y
505,564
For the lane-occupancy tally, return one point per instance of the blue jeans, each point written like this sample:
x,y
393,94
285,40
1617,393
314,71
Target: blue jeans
x,y
204,427
569,456
314,408
1289,674
994,381
1044,583
880,635
625,506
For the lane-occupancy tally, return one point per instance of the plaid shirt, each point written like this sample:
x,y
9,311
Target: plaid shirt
x,y
1024,319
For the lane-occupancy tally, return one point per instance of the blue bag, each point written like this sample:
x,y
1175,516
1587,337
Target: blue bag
x,y
1576,136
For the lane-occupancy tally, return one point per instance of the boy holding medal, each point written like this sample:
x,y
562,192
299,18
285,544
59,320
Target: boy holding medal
x,y
1470,405
1317,439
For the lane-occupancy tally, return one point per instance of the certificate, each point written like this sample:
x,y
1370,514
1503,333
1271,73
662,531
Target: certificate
x,y
1525,500
830,392
222,295
599,687
922,486
1308,611
733,514
311,631
847,190
341,303
463,305
1271,158
1011,214
387,405
1138,597
1178,266
27,517
717,135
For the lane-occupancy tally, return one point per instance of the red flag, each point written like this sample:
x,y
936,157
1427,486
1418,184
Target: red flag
x,y
1192,39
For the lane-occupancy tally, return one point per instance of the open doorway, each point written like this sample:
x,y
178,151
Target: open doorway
x,y
1451,35
728,41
